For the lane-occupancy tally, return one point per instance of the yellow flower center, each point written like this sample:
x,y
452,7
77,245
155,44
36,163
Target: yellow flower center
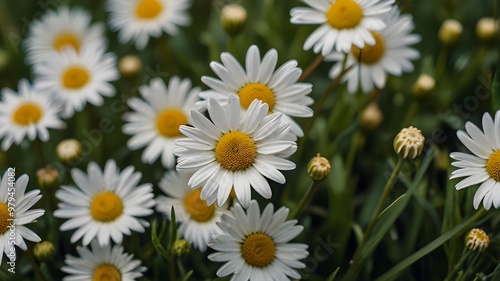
x,y
107,272
4,218
493,165
253,91
198,209
26,114
148,9
75,77
106,207
370,54
169,121
258,250
235,151
66,40
344,14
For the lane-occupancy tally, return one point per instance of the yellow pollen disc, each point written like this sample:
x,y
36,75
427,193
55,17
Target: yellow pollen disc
x,y
75,77
148,9
198,209
4,218
344,14
169,121
235,151
106,207
66,40
26,114
493,165
370,54
258,250
253,91
107,272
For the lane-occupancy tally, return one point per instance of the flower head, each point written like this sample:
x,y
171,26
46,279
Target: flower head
x,y
234,150
409,143
255,245
477,239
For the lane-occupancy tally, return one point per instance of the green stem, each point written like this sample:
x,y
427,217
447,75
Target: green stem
x,y
441,63
35,266
458,266
39,153
310,191
380,205
410,114
310,69
231,45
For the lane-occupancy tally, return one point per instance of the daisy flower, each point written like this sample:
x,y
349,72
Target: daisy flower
x,y
256,246
483,166
343,23
197,219
102,263
139,19
26,113
13,220
279,89
234,151
61,29
156,120
105,205
77,78
391,54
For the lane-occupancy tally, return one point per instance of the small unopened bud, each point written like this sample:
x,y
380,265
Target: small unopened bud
x,y
181,247
487,29
409,143
130,66
423,86
371,118
477,239
319,167
43,250
47,177
69,150
233,19
450,32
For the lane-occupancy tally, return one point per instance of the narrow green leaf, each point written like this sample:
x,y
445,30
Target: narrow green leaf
x,y
188,275
173,228
333,275
156,241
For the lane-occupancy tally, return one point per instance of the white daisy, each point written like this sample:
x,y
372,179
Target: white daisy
x,y
102,263
15,212
105,205
139,19
26,113
234,151
197,219
156,120
256,247
279,89
343,23
78,78
59,29
483,166
390,54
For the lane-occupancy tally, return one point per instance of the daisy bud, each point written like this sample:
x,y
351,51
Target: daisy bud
x,y
130,66
371,117
450,32
319,167
47,177
233,19
424,85
43,250
477,239
69,150
487,29
409,143
181,247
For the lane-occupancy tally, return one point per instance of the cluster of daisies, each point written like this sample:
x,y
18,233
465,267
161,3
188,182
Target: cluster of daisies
x,y
218,145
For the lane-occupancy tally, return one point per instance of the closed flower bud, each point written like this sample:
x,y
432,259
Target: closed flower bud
x,y
477,239
487,29
424,85
69,150
181,247
371,117
450,32
233,19
409,143
43,250
130,66
319,167
47,177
